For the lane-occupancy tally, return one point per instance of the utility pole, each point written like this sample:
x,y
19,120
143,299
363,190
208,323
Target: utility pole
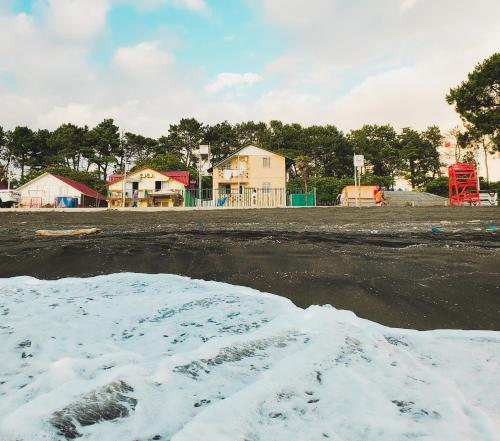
x,y
203,149
124,171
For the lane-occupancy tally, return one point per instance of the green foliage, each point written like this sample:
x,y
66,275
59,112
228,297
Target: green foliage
x,y
139,148
68,145
165,162
380,146
494,186
106,146
184,138
477,99
419,154
223,140
438,186
328,188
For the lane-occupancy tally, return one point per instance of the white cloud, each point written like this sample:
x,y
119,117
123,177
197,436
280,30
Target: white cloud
x,y
407,5
390,61
404,97
226,80
193,5
75,19
145,59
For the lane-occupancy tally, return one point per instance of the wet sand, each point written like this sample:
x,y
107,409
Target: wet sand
x,y
385,264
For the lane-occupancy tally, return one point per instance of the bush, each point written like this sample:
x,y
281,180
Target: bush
x,y
437,186
328,188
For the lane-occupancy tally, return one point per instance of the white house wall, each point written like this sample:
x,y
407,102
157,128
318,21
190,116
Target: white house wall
x,y
47,188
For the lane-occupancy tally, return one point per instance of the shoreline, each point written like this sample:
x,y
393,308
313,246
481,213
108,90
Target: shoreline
x,y
383,264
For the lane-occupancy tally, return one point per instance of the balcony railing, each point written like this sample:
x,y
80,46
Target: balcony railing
x,y
232,175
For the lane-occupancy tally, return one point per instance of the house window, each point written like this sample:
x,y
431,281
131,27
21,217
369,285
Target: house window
x,y
135,186
157,185
266,187
266,162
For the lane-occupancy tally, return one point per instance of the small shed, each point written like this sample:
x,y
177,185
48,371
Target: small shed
x,y
363,194
46,188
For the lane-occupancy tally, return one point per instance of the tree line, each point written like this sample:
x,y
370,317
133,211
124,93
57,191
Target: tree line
x,y
325,150
92,154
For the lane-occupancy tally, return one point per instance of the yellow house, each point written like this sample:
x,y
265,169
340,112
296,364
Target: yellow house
x,y
154,188
251,176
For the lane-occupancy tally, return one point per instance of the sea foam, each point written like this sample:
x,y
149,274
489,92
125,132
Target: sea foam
x,y
143,357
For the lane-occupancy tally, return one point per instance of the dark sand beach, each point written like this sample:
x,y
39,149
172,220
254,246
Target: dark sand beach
x,y
385,264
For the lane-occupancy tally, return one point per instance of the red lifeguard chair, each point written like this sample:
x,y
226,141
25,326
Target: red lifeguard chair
x,y
463,185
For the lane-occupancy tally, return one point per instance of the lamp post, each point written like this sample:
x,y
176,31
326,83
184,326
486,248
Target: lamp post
x,y
359,162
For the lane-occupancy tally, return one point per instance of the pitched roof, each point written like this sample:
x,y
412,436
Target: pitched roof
x,y
82,188
180,176
246,147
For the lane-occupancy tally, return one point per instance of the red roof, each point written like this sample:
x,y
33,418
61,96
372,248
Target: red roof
x,y
115,177
82,188
181,176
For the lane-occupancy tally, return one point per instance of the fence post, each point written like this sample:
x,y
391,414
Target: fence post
x,y
314,193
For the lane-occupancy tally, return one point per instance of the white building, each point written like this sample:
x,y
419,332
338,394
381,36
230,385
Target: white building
x,y
44,190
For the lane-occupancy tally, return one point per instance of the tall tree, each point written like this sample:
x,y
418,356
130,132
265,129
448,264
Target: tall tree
x,y
20,144
434,138
477,99
70,144
303,165
42,155
185,138
222,139
329,150
252,133
421,160
4,156
105,142
138,148
165,162
380,146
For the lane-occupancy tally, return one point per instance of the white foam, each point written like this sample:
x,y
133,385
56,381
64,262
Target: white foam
x,y
211,361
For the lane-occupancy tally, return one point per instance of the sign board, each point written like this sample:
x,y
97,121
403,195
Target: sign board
x,y
359,161
204,150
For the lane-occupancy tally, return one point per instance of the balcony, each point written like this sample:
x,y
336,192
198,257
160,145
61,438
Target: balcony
x,y
232,175
143,194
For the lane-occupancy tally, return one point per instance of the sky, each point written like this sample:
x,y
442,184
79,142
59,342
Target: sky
x,y
149,63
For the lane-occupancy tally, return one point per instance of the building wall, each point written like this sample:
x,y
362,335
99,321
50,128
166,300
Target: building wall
x,y
256,175
146,180
47,188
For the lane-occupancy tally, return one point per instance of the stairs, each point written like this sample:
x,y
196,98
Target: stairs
x,y
413,199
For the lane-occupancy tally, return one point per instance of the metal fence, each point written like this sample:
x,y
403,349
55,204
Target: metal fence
x,y
247,198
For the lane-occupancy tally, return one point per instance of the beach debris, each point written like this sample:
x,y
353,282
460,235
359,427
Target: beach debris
x,y
491,227
436,230
61,233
